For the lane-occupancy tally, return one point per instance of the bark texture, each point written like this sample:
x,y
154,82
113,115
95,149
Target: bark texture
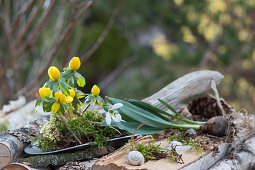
x,y
189,85
13,142
242,154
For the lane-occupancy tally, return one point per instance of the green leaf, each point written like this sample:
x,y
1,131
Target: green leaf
x,y
139,114
47,106
64,86
79,94
184,119
38,102
106,107
48,99
99,100
93,101
55,87
62,108
80,80
143,116
71,81
131,126
151,109
67,74
49,83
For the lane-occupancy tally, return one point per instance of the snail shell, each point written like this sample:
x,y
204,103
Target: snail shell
x,y
135,158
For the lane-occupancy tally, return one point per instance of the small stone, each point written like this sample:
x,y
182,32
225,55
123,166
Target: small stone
x,y
191,132
178,146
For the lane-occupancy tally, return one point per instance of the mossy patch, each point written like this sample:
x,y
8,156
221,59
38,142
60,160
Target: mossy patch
x,y
86,127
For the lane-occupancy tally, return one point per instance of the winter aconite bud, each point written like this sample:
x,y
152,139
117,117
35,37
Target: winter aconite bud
x,y
44,92
75,63
95,90
54,73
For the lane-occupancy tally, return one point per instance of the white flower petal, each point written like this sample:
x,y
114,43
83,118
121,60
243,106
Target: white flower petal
x,y
108,118
117,105
117,118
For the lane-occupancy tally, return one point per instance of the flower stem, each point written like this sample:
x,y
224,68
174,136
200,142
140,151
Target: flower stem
x,y
86,108
186,126
68,128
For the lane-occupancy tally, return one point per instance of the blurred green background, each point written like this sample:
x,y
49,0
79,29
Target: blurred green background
x,y
140,45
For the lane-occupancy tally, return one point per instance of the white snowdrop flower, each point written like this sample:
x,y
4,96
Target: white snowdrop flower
x,y
113,114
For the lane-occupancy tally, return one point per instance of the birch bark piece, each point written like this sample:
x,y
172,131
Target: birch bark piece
x,y
10,148
189,85
13,142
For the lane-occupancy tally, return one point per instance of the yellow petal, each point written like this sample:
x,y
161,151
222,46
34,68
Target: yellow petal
x,y
44,92
55,107
95,90
54,73
47,92
68,99
57,96
71,93
75,63
41,91
62,98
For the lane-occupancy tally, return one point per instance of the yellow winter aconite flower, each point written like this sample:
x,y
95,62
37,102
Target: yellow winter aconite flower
x,y
95,90
54,73
75,63
44,92
71,93
60,98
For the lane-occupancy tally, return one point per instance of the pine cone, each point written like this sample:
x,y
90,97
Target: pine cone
x,y
206,107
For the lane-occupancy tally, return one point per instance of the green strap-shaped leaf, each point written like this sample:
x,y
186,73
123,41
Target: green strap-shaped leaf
x,y
139,114
143,116
151,109
184,119
131,126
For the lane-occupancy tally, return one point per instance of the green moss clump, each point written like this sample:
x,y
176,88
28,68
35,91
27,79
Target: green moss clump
x,y
87,128
151,151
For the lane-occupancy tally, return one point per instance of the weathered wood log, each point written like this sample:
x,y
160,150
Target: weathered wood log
x,y
189,85
63,158
19,166
118,159
10,148
242,154
13,142
239,159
